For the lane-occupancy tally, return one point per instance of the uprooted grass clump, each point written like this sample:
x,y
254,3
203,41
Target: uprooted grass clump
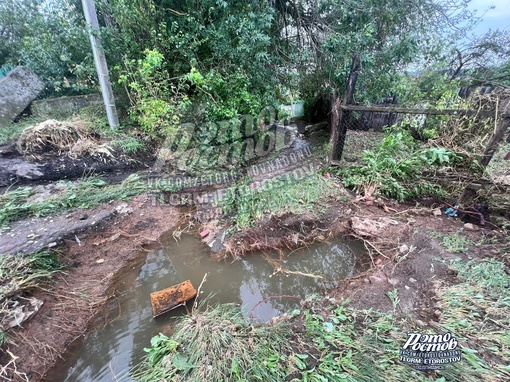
x,y
51,135
218,344
86,193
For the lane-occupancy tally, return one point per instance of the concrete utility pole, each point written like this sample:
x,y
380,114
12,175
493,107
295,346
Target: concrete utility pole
x,y
89,9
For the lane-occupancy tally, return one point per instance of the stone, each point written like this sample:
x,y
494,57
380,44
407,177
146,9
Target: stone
x,y
437,212
471,227
407,287
404,248
17,90
123,209
412,280
375,279
393,281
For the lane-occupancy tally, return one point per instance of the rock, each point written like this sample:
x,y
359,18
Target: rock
x,y
375,279
52,244
123,209
64,106
393,281
437,212
404,248
471,227
57,227
412,280
366,281
438,313
370,227
407,287
421,323
204,233
21,313
17,90
83,217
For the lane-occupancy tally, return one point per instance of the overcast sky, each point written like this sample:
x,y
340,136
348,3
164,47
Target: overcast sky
x,y
497,18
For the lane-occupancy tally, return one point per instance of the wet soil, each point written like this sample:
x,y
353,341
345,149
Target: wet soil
x,y
19,170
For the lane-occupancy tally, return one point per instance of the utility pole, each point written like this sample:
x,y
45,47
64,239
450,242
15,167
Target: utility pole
x,y
89,9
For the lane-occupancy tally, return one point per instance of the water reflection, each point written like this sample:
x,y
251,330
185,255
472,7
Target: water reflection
x,y
108,354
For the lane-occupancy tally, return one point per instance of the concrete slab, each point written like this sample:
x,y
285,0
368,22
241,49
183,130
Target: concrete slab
x,y
17,90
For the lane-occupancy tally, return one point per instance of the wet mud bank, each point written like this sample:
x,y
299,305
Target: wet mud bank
x,y
94,259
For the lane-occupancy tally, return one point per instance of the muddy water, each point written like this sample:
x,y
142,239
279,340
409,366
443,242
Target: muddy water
x,y
108,354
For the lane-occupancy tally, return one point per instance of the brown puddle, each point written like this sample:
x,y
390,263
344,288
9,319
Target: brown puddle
x,y
109,353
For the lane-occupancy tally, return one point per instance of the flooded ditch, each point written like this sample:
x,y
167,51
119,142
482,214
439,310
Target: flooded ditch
x,y
108,353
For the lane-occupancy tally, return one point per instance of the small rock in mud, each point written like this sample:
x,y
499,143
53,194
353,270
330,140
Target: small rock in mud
x,y
393,281
376,280
412,280
404,248
83,216
407,287
471,227
421,323
123,209
366,281
437,212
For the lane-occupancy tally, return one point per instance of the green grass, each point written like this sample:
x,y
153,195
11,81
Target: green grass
x,y
86,193
281,195
217,344
455,242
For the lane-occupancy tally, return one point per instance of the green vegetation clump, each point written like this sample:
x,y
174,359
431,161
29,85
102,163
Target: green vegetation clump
x,y
395,168
218,344
278,196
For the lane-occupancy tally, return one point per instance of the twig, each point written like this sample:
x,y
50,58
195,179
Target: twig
x,y
195,303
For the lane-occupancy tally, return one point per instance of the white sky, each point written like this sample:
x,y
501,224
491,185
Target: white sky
x,y
497,18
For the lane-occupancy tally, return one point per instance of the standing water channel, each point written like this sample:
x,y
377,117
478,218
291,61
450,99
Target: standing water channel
x,y
107,354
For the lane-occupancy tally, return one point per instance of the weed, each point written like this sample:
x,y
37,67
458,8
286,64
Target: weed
x,y
394,167
217,344
393,296
455,242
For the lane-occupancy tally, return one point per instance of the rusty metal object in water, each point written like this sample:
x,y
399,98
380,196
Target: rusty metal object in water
x,y
172,297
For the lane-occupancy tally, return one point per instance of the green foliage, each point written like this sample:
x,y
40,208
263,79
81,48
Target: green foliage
x,y
225,97
394,168
218,344
158,103
456,242
489,274
51,39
